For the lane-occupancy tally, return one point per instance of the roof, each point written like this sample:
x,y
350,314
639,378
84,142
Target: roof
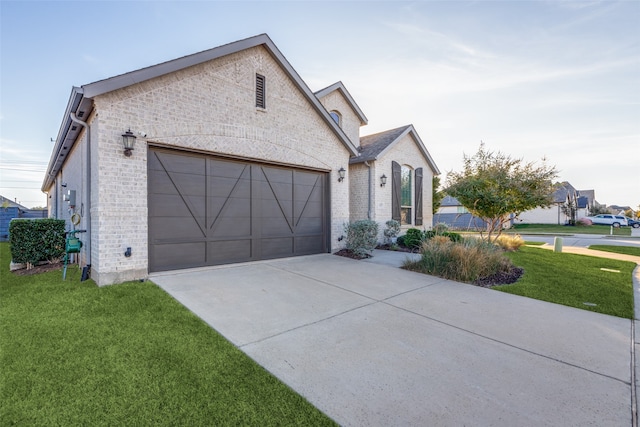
x,y
5,202
372,147
450,201
81,99
563,191
339,86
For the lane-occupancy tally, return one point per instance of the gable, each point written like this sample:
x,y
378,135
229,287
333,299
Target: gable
x,y
150,81
374,147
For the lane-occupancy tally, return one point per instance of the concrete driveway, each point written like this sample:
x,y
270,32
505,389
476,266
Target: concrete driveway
x,y
371,344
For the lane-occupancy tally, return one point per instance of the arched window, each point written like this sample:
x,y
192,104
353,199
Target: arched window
x,y
336,117
406,195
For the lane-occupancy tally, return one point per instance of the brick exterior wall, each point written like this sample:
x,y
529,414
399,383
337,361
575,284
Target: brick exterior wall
x,y
210,108
350,122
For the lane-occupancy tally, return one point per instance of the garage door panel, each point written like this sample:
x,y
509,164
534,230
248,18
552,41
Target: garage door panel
x,y
173,183
272,227
225,187
309,226
227,169
232,227
175,228
177,255
179,163
277,247
306,245
227,251
232,211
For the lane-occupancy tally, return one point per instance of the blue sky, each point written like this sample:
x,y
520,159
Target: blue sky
x,y
556,79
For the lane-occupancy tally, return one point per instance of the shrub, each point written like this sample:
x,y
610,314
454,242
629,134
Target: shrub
x,y
509,243
413,238
466,261
362,237
392,230
440,228
454,237
35,240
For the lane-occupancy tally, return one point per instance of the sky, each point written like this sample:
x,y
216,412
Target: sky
x,y
558,80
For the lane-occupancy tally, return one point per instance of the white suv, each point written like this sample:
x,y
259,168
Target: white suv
x,y
608,219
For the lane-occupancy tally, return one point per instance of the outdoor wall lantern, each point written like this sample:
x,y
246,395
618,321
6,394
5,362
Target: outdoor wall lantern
x,y
128,140
383,180
341,173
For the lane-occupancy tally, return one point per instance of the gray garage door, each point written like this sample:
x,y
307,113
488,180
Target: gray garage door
x,y
207,211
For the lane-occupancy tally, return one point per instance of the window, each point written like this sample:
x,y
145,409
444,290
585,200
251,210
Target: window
x,y
405,196
260,91
336,117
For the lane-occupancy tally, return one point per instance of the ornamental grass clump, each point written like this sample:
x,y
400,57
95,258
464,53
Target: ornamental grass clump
x,y
509,243
467,261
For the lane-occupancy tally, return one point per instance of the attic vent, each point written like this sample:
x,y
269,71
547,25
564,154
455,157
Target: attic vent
x,y
260,91
81,113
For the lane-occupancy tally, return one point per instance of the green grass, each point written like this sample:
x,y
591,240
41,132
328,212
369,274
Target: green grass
x,y
626,250
75,354
573,280
563,229
527,242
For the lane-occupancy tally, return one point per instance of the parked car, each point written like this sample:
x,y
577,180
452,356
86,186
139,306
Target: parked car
x,y
608,219
633,222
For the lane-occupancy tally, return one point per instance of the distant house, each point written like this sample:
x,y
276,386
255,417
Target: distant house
x,y
619,210
564,194
10,210
455,216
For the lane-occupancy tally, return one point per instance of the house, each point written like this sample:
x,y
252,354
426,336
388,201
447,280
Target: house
x,y
457,217
219,157
564,194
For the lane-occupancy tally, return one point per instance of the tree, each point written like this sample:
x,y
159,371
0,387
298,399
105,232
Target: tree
x,y
598,209
438,194
570,209
493,187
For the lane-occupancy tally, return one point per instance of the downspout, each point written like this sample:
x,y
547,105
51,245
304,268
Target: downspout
x,y
369,208
87,128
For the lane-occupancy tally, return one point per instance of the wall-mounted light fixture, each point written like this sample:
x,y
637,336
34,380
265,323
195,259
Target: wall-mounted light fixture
x,y
128,140
383,180
341,173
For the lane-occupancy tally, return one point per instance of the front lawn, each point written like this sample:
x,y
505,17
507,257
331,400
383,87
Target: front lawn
x,y
564,229
75,354
596,284
626,250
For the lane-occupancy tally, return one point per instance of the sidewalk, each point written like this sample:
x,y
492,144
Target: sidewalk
x,y
592,252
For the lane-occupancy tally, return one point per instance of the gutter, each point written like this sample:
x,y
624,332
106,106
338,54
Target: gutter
x,y
369,208
87,128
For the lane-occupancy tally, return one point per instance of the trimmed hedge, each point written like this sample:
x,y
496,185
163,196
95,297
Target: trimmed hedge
x,y
35,240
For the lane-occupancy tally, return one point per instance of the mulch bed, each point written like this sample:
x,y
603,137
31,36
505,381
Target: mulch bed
x,y
39,269
500,278
349,254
